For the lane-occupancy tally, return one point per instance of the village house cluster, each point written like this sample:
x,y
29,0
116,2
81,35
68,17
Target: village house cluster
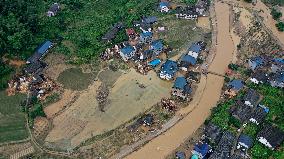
x,y
247,110
32,80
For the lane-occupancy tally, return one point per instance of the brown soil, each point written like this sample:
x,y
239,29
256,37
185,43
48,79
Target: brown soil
x,y
56,65
66,98
203,22
40,127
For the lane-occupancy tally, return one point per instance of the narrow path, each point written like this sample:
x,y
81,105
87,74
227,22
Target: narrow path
x,y
164,144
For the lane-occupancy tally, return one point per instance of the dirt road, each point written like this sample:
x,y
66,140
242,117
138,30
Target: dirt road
x,y
164,144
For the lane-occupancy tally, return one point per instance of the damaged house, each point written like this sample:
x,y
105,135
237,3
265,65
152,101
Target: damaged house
x,y
111,34
131,33
271,136
277,65
127,52
146,37
255,62
157,47
192,76
277,79
186,13
181,88
213,132
40,52
168,70
54,8
201,150
224,147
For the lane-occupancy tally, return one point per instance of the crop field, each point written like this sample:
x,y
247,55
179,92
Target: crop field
x,y
12,120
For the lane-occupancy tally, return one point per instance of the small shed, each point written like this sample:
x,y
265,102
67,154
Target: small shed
x,y
54,8
180,155
164,6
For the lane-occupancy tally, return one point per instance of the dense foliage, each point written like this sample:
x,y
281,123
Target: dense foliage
x,y
276,14
5,71
274,2
36,111
24,24
280,26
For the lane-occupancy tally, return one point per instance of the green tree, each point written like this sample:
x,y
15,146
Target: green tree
x,y
280,26
276,14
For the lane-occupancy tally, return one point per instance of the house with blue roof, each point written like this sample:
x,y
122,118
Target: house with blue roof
x,y
164,6
154,62
255,62
194,50
180,155
40,52
277,65
157,47
181,88
127,52
244,142
236,85
277,79
201,149
186,61
146,37
168,70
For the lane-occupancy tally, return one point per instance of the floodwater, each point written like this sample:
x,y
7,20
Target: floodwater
x,y
164,144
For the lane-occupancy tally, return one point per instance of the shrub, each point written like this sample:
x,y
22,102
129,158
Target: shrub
x,y
280,26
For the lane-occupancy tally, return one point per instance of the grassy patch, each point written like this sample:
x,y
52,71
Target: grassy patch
x,y
12,120
75,79
179,34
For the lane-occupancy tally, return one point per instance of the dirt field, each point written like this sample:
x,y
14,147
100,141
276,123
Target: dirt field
x,y
126,100
203,22
164,144
66,98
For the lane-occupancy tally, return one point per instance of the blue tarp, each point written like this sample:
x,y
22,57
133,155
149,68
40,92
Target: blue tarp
x,y
44,47
155,62
180,83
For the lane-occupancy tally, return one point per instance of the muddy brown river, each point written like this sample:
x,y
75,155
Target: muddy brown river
x,y
164,144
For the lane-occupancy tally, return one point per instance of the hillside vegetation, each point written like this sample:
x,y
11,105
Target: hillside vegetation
x,y
24,24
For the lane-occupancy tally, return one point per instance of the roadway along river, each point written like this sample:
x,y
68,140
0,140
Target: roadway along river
x,y
164,144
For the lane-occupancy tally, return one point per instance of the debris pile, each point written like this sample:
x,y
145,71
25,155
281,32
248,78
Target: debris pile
x,y
38,85
143,68
109,53
102,94
168,104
